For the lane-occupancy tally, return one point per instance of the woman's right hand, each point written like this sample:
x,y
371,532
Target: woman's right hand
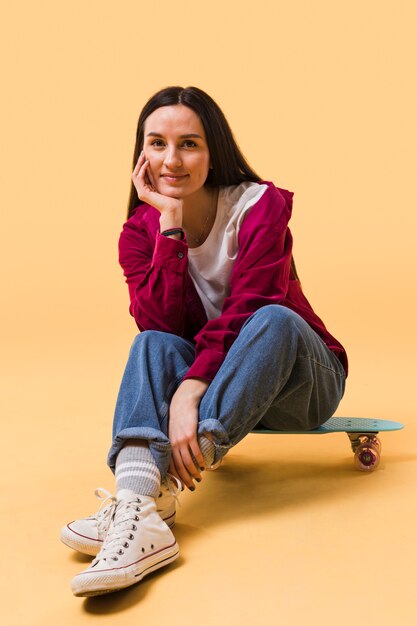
x,y
147,192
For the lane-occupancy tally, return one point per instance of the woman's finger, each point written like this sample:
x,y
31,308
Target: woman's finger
x,y
150,175
144,187
142,170
181,470
195,449
172,470
144,178
189,463
139,163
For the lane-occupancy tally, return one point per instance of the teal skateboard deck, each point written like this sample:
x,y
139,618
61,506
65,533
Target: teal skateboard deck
x,y
362,433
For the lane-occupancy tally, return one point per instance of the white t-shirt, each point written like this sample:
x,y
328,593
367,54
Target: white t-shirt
x,y
210,265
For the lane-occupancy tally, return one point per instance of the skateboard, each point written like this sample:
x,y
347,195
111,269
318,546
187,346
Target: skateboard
x,y
362,433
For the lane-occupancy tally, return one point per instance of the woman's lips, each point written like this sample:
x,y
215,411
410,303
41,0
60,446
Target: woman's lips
x,y
173,178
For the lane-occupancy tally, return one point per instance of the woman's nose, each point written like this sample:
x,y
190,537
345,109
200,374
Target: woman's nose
x,y
172,158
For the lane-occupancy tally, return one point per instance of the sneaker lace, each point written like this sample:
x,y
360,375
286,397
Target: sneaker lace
x,y
174,487
122,527
106,510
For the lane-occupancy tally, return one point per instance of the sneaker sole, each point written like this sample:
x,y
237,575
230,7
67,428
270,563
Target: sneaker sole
x,y
90,546
134,574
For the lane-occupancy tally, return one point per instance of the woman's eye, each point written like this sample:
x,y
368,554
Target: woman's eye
x,y
159,143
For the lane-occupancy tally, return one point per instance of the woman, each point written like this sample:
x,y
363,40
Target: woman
x,y
228,340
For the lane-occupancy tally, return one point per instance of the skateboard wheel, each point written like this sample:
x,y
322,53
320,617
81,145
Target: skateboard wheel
x,y
367,457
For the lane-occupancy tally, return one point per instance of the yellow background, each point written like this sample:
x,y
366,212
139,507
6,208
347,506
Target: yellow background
x,y
322,99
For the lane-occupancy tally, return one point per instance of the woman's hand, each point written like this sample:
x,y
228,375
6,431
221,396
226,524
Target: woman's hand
x,y
182,431
147,192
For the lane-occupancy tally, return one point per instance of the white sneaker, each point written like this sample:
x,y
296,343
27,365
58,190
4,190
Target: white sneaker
x,y
86,535
137,543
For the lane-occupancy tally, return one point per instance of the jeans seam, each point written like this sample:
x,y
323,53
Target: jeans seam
x,y
313,360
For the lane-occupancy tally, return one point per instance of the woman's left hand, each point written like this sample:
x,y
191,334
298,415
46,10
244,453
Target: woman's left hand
x,y
182,431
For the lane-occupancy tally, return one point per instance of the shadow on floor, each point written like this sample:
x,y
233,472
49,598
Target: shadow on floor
x,y
245,487
126,598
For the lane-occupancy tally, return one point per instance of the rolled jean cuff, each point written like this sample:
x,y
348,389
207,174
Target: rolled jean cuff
x,y
221,440
159,446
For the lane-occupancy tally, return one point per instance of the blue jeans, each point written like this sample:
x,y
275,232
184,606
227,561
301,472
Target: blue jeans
x,y
278,374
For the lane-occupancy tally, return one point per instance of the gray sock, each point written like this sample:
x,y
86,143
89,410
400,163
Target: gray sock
x,y
207,449
136,469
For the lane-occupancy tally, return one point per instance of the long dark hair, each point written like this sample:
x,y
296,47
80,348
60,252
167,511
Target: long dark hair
x,y
229,166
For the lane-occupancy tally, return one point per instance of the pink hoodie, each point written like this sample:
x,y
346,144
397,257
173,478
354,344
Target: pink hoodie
x,y
163,296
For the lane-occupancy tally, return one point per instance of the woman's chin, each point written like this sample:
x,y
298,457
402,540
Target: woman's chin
x,y
172,194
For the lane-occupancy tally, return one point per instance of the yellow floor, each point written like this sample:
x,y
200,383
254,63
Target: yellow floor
x,y
285,532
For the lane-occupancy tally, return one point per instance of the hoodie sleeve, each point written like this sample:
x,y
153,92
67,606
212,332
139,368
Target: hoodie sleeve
x,y
156,272
260,276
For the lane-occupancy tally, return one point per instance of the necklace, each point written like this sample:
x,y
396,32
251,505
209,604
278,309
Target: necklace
x,y
200,237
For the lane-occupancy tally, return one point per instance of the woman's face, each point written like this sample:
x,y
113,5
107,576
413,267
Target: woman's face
x,y
175,144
